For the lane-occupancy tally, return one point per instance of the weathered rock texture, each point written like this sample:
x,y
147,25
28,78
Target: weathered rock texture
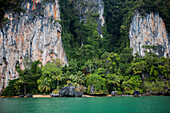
x,y
35,33
89,8
69,91
149,30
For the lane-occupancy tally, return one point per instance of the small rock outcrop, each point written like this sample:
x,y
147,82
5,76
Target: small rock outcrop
x,y
149,30
29,95
92,89
114,93
78,94
69,91
54,95
21,95
136,93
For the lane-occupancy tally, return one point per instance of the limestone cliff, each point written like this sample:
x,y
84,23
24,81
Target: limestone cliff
x,y
89,8
35,33
149,30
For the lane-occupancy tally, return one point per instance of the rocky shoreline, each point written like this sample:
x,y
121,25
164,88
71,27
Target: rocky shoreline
x,y
46,96
69,91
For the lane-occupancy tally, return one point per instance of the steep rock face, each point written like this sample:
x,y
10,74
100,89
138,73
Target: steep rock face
x,y
88,8
35,33
149,30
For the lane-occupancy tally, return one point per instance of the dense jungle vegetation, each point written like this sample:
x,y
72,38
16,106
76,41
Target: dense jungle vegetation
x,y
107,63
110,72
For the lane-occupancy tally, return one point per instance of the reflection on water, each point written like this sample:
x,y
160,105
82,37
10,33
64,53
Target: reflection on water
x,y
153,104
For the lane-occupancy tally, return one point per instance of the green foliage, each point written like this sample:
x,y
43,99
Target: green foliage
x,y
48,1
85,52
133,83
98,82
41,13
157,86
44,84
109,72
57,21
95,15
28,76
12,89
118,15
51,74
78,78
56,91
107,63
82,36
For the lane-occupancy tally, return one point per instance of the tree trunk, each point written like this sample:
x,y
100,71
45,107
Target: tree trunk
x,y
90,69
45,90
57,84
143,78
24,89
78,87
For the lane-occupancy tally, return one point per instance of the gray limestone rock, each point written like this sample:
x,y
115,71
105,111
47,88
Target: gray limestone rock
x,y
36,34
92,89
69,91
54,95
114,93
136,92
149,30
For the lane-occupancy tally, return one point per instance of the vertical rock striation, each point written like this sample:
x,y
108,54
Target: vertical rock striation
x,y
35,33
91,8
149,30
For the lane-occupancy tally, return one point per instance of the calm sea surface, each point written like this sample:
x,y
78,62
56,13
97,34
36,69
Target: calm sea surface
x,y
154,104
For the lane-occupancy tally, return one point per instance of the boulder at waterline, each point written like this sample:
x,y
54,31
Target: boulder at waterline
x,y
21,95
78,94
29,95
114,93
54,95
136,93
92,89
69,91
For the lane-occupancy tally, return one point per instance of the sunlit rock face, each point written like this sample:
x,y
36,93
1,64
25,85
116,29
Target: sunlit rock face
x,y
149,30
94,7
35,33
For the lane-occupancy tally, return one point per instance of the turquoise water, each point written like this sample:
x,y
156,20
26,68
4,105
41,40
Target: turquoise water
x,y
154,104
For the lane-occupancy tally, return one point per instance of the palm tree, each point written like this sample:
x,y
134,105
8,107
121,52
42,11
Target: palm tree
x,y
24,78
58,76
90,66
52,71
78,78
44,84
113,79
